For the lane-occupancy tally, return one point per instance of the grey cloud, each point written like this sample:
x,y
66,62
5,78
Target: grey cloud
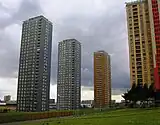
x,y
104,32
2,92
8,56
9,52
27,9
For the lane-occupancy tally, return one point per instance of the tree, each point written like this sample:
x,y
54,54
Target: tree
x,y
151,91
145,92
126,97
133,94
138,92
129,96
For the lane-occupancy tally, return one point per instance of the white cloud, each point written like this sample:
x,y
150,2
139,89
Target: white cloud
x,y
118,98
88,16
87,93
12,4
57,9
53,91
8,86
9,7
14,33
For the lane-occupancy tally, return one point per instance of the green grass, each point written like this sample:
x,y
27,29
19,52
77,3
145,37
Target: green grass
x,y
117,117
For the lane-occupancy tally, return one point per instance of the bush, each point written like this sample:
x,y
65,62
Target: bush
x,y
18,116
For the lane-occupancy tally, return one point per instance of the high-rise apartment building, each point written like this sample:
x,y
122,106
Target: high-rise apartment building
x,y
34,65
140,42
7,98
102,79
143,19
69,75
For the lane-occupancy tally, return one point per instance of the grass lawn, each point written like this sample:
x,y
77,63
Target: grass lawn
x,y
118,117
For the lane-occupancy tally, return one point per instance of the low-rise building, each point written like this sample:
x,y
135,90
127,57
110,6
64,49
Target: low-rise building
x,y
7,98
9,105
51,100
87,103
52,104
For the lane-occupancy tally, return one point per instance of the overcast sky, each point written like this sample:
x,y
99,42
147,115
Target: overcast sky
x,y
97,24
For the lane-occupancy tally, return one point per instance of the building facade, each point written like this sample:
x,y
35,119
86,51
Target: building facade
x,y
140,43
7,98
143,19
52,101
52,104
102,79
34,65
69,75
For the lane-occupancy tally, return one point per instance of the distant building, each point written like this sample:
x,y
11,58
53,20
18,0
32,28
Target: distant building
x,y
102,79
34,65
51,100
9,105
7,98
2,104
69,75
87,103
52,104
11,102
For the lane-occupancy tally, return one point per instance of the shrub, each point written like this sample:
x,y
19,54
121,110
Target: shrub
x,y
18,116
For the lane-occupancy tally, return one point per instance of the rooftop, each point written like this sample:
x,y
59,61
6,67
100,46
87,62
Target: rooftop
x,y
101,51
37,17
135,2
70,40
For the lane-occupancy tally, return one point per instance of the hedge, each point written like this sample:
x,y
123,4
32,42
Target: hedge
x,y
18,116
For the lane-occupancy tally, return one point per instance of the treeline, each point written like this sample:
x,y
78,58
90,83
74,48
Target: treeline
x,y
144,95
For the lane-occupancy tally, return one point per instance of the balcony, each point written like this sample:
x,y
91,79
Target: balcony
x,y
138,59
138,51
138,47
134,10
138,55
139,76
139,63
